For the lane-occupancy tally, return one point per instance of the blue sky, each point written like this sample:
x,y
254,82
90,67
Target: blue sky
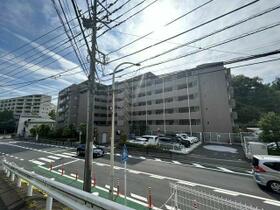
x,y
23,21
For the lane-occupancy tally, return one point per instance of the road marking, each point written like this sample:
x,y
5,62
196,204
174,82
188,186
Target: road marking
x,y
133,171
21,159
138,197
61,155
54,157
176,162
117,167
37,162
272,202
118,154
143,158
64,164
228,192
225,169
68,153
46,160
16,157
157,177
108,187
107,153
198,165
130,156
100,164
157,159
11,156
187,183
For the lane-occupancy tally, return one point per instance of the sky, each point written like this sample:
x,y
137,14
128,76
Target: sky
x,y
30,52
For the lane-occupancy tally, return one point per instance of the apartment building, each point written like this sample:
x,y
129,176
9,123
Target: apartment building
x,y
197,100
36,105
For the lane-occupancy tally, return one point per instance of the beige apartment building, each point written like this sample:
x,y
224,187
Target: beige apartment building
x,y
36,105
197,100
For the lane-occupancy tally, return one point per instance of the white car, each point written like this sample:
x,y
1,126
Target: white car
x,y
186,137
145,140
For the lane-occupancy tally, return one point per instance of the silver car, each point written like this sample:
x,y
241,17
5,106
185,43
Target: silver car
x,y
266,171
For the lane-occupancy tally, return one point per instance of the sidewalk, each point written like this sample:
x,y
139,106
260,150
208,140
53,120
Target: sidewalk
x,y
10,199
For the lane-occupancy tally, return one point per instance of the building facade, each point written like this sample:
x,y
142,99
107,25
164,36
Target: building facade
x,y
193,100
36,105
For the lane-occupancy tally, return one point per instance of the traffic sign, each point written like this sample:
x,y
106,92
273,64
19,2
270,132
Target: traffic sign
x,y
124,154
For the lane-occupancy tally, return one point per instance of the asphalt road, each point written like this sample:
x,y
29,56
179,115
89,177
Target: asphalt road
x,y
144,173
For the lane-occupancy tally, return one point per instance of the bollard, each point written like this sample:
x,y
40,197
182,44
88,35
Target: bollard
x,y
29,189
118,187
76,176
49,203
12,177
150,198
18,182
62,169
8,173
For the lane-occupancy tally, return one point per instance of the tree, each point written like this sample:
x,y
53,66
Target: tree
x,y
276,84
7,122
83,129
66,132
52,114
44,130
270,126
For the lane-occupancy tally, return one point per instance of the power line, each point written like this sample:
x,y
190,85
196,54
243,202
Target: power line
x,y
186,31
169,23
250,64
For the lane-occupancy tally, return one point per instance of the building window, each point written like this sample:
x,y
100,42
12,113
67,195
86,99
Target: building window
x,y
159,122
169,111
182,86
184,122
181,98
168,89
168,100
169,122
159,101
149,102
159,111
158,91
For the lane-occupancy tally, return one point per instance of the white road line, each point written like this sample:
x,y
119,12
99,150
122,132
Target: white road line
x,y
21,159
107,153
198,165
272,202
176,162
68,153
130,156
37,162
46,160
11,156
225,169
54,157
228,192
61,155
16,157
95,193
108,187
100,164
157,177
64,164
138,197
143,158
117,168
133,171
118,154
187,183
157,159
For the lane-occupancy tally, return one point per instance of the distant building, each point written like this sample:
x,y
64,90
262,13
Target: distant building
x,y
198,99
33,105
26,123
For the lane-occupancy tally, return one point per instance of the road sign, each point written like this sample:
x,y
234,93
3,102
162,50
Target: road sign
x,y
124,154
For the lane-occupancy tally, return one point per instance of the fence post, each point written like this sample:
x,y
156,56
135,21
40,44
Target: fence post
x,y
18,182
49,203
12,176
150,198
29,189
176,197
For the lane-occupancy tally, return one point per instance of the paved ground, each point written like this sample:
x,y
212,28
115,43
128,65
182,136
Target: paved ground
x,y
143,173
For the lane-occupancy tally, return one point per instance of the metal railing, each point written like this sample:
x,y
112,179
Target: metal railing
x,y
69,196
184,197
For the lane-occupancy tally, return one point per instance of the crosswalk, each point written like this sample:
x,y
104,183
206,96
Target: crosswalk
x,y
51,159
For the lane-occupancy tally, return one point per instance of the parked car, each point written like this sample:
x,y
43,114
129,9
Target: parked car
x,y
266,171
186,137
97,151
173,139
145,140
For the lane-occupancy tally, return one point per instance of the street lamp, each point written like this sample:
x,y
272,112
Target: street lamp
x,y
113,126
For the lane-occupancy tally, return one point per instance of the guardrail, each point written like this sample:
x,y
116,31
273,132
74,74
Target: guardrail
x,y
69,196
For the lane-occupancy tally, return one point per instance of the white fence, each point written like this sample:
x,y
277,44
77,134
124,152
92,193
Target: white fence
x,y
69,196
186,198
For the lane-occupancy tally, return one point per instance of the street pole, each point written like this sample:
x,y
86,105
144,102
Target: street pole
x,y
90,108
125,201
112,152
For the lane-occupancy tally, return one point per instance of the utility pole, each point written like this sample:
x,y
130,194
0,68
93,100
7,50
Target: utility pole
x,y
89,23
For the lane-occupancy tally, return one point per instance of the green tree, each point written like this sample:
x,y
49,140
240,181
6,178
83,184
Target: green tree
x,y
44,130
7,122
253,99
66,132
33,131
83,129
52,114
270,126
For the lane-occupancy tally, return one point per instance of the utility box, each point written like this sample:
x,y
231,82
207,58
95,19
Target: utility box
x,y
256,148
